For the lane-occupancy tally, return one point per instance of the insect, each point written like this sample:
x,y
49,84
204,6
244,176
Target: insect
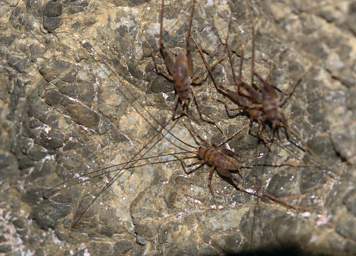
x,y
225,162
261,104
180,71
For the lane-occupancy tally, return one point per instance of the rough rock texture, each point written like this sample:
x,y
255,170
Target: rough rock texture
x,y
78,91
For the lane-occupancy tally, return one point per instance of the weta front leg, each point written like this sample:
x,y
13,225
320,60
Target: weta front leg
x,y
162,73
177,104
211,173
197,81
259,134
229,112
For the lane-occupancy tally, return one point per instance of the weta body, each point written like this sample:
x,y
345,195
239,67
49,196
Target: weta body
x,y
179,71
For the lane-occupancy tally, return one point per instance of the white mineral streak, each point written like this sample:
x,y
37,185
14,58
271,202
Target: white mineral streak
x,y
306,214
323,219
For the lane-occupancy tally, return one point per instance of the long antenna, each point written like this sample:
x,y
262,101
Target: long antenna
x,y
127,95
253,45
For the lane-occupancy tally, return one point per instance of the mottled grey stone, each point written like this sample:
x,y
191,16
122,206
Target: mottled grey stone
x,y
37,152
122,247
4,88
53,97
20,20
311,178
42,169
350,247
52,139
208,250
350,201
86,92
35,7
134,70
19,223
8,165
228,243
24,162
351,96
53,8
323,147
145,231
37,51
186,249
160,85
39,110
80,253
283,184
68,89
47,214
17,92
140,240
5,248
39,252
351,18
129,3
343,142
83,115
7,40
54,70
18,63
76,6
346,226
101,248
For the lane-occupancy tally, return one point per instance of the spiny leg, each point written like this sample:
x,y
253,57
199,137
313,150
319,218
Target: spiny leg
x,y
253,48
211,172
238,79
195,169
200,164
258,135
260,131
290,94
290,140
231,137
195,163
196,137
197,81
201,115
187,47
229,112
238,173
175,109
208,69
267,87
163,51
159,72
184,106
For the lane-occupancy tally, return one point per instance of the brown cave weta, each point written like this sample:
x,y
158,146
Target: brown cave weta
x,y
226,163
179,70
262,104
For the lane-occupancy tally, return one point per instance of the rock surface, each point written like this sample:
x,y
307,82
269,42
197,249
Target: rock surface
x,y
78,92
